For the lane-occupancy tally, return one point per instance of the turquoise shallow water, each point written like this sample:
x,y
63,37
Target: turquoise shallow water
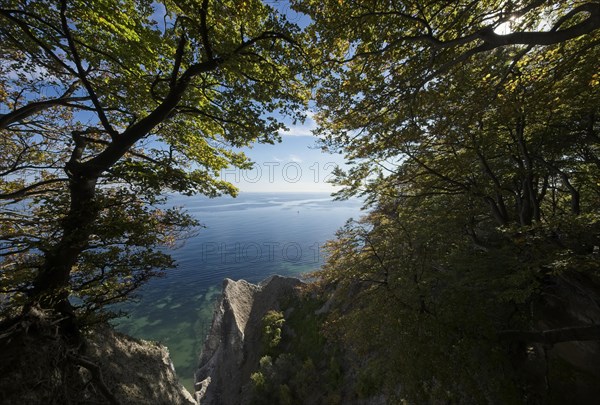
x,y
250,237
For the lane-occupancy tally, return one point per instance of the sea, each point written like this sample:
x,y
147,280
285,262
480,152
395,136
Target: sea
x,y
250,237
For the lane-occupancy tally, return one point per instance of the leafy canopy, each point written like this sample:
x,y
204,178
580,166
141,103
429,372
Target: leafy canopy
x,y
108,105
472,130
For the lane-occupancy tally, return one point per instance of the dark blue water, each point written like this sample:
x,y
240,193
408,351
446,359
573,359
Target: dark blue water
x,y
250,237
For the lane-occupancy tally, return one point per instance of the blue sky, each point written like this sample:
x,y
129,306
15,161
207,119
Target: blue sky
x,y
296,164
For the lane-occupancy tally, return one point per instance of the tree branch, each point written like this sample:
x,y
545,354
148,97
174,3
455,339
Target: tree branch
x,y
119,146
25,27
132,153
263,36
26,191
177,63
96,372
551,37
204,30
82,74
35,107
553,336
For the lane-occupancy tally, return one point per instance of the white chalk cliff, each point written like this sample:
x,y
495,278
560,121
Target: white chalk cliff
x,y
232,348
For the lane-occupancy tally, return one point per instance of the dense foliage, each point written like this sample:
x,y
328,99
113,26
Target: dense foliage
x,y
298,364
474,135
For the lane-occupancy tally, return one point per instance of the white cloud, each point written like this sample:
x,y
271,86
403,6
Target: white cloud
x,y
302,129
295,159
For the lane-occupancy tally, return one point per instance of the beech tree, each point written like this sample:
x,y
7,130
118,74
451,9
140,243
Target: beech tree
x,y
107,105
472,130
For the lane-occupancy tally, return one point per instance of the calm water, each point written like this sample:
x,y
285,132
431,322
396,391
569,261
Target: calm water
x,y
250,237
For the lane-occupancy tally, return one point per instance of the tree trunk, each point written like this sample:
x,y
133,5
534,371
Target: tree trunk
x,y
51,286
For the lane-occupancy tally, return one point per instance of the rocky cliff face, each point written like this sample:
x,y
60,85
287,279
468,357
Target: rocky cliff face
x,y
232,348
39,367
137,371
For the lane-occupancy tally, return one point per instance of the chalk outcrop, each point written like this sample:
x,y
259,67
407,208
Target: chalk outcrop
x,y
39,366
137,371
232,348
